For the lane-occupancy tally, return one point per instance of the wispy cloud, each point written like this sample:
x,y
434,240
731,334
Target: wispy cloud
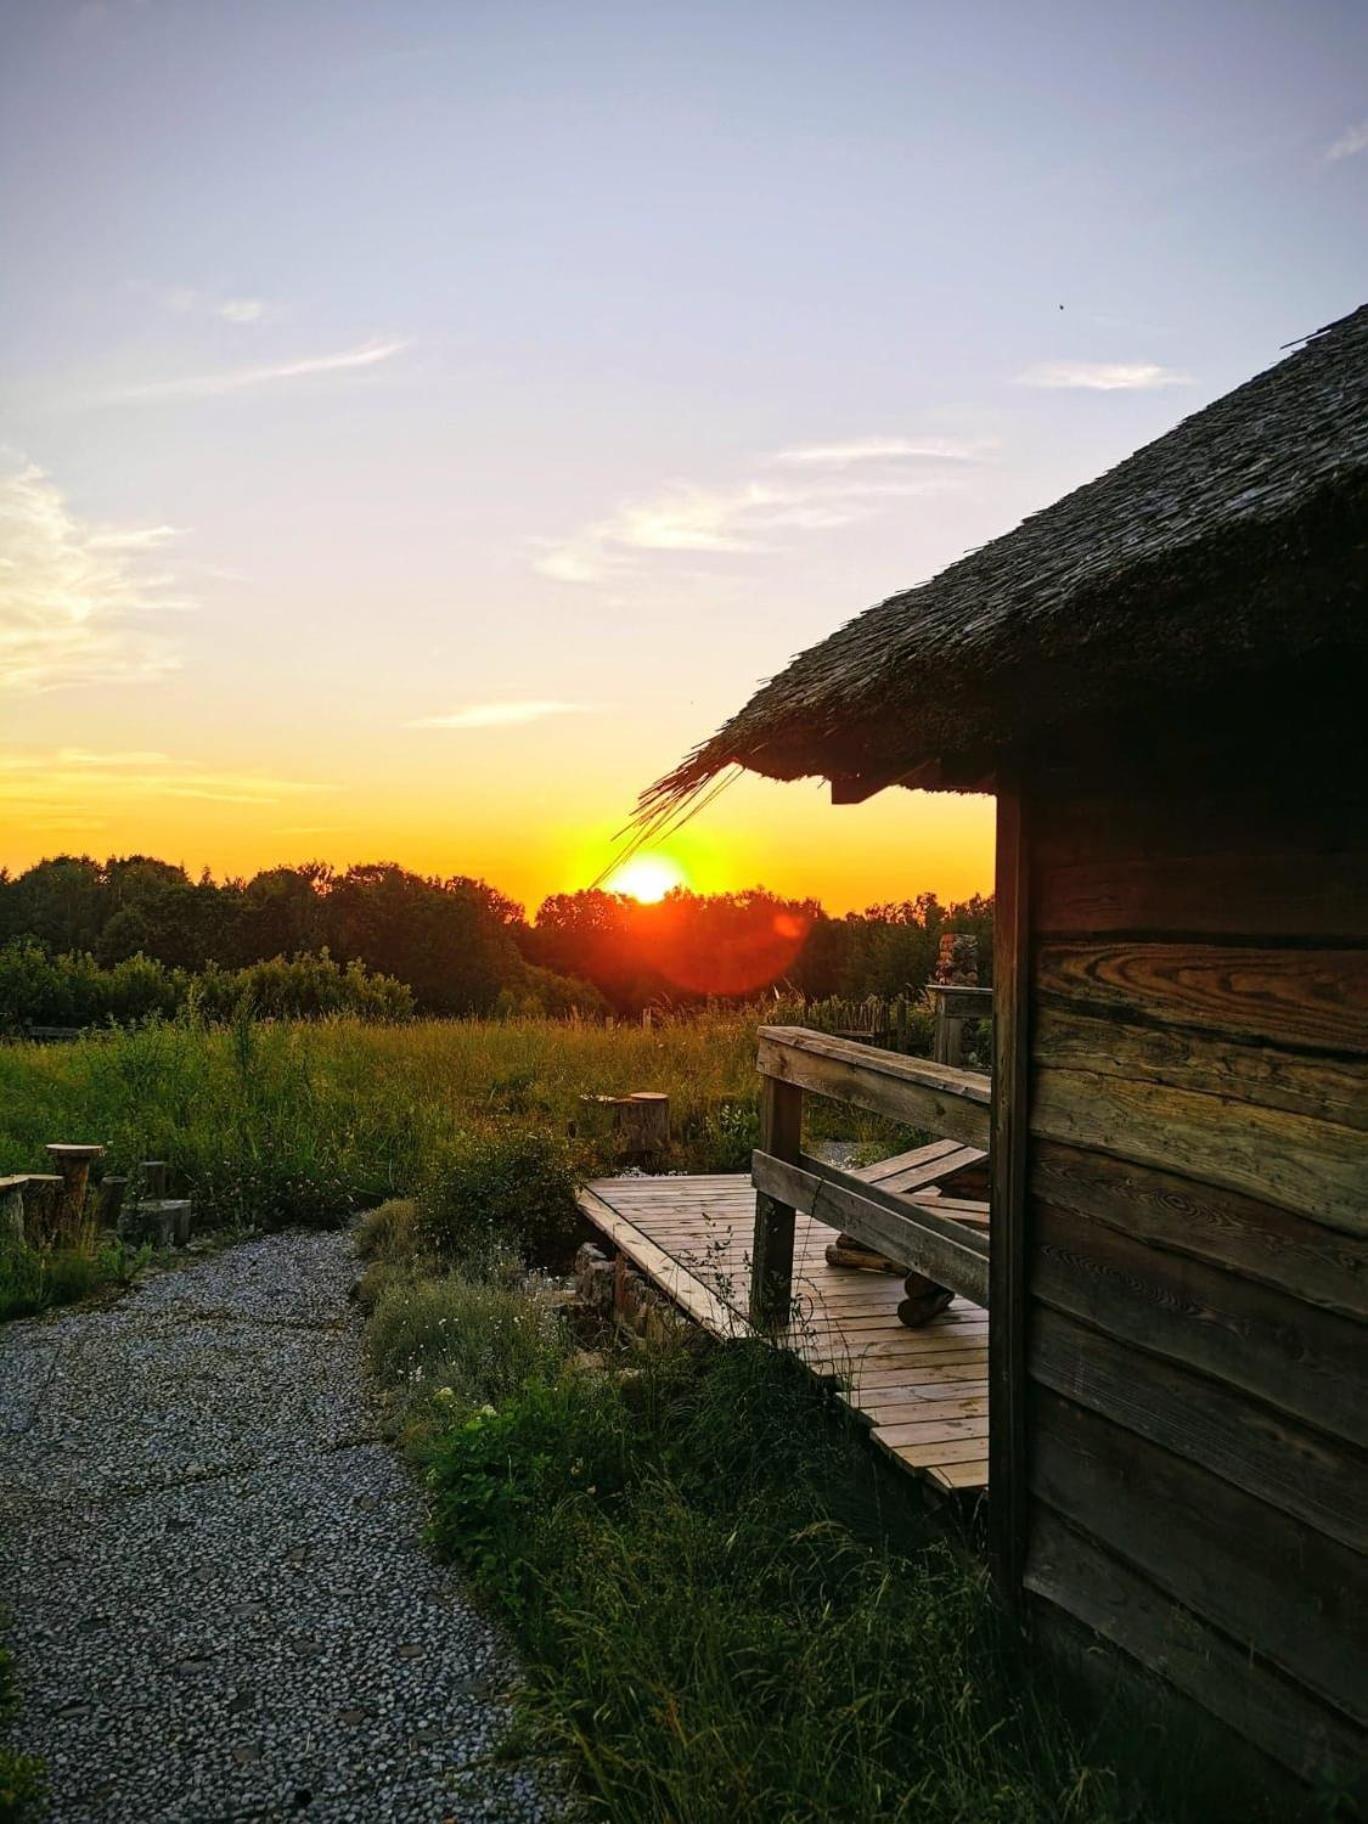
x,y
1103,376
73,787
1352,141
184,301
236,379
759,515
501,715
72,594
881,449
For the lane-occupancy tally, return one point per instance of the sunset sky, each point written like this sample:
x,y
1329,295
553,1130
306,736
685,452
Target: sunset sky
x,y
420,423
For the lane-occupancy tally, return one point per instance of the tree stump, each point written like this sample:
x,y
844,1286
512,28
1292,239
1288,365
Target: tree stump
x,y
73,1166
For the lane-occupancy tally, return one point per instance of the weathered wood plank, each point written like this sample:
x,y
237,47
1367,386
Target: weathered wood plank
x,y
952,1103
1316,1168
936,1430
1306,1473
1214,1548
1242,1234
694,1297
1315,998
1015,916
1300,1359
1239,1072
1067,1568
1283,895
914,1236
781,1134
926,1166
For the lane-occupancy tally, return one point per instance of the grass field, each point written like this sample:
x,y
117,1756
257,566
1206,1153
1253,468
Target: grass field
x,y
267,1123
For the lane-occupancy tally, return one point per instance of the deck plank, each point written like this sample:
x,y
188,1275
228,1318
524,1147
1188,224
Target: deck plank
x,y
923,1393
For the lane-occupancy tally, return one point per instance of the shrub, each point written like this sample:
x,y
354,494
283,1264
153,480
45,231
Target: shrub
x,y
504,1186
461,1343
38,989
387,1232
34,1279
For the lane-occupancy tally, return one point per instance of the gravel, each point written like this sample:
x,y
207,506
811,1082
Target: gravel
x,y
217,1592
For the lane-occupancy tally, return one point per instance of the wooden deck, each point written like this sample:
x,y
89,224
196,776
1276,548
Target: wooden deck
x,y
923,1393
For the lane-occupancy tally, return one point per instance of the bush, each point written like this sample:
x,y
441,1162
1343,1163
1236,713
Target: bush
x,y
387,1232
505,1186
34,1279
38,989
461,1343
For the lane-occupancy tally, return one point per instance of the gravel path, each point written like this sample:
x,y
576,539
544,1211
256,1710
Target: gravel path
x,y
218,1597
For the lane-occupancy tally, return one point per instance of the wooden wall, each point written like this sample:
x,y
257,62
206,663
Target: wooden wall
x,y
1195,1242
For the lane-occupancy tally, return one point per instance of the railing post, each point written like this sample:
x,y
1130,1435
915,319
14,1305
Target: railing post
x,y
781,1135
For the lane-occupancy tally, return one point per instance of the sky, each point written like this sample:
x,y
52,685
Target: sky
x,y
422,423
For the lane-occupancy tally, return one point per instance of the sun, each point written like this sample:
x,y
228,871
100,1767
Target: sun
x,y
646,877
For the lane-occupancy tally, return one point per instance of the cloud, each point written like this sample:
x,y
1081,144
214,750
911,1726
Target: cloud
x,y
1103,376
880,449
754,517
184,301
236,379
1352,141
500,715
72,594
74,786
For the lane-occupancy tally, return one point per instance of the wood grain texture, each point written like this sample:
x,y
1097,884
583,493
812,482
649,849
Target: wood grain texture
x,y
951,1253
948,1102
1318,1479
1316,1168
1081,1577
1314,998
1324,1266
1008,1512
1238,1071
1222,1553
1298,1359
1285,895
781,1134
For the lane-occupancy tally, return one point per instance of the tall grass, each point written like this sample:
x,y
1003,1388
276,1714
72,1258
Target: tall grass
x,y
726,1610
268,1123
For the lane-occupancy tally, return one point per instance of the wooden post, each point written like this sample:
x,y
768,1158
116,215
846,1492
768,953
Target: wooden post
x,y
948,1044
1008,1495
73,1163
781,1135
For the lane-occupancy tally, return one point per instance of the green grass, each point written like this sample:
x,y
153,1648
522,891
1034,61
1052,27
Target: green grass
x,y
272,1123
33,1279
22,1784
726,1609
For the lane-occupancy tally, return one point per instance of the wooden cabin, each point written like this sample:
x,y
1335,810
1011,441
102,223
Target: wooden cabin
x,y
1164,680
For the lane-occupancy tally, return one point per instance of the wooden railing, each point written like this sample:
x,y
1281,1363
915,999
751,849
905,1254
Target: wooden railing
x,y
949,1102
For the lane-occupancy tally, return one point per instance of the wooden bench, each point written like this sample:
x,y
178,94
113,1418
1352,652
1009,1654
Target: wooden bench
x,y
896,1208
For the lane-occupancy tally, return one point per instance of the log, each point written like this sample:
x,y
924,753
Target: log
x,y
73,1166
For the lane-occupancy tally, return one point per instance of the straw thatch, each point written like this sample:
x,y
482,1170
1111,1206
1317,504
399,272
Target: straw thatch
x,y
1231,549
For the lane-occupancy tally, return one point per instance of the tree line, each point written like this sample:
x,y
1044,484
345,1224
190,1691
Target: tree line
x,y
390,940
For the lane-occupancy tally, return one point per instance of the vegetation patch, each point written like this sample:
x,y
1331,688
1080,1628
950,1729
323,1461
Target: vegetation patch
x,y
727,1608
22,1784
33,1279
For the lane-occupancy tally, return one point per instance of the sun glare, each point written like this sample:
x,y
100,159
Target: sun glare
x,y
646,877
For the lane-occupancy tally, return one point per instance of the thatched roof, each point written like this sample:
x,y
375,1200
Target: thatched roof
x,y
1233,548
